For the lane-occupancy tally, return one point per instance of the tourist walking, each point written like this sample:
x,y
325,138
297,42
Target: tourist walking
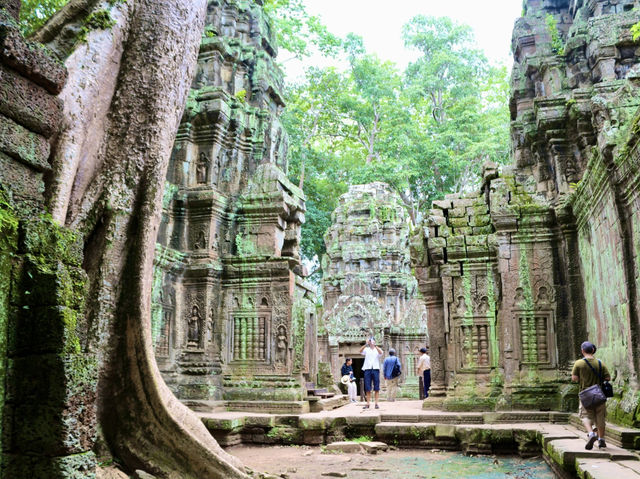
x,y
588,372
371,369
423,369
347,370
391,368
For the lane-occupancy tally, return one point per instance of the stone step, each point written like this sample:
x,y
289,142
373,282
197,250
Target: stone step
x,y
272,407
318,392
626,437
565,453
605,469
327,404
507,417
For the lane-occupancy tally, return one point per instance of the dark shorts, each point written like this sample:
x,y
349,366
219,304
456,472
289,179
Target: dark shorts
x,y
371,376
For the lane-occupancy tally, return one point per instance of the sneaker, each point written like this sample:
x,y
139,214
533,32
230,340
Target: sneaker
x,y
377,407
353,400
601,443
589,445
367,407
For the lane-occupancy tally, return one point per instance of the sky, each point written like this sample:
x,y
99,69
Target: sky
x,y
380,24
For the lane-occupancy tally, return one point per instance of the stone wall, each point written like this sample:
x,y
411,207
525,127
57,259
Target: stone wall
x,y
368,286
47,383
559,262
231,310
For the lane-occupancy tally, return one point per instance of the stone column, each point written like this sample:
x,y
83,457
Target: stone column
x,y
334,360
431,289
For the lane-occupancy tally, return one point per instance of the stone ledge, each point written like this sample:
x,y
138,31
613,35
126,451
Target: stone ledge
x,y
328,404
604,469
28,104
23,145
565,454
622,436
30,59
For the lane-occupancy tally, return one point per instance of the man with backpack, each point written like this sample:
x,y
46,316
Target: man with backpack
x,y
590,372
392,369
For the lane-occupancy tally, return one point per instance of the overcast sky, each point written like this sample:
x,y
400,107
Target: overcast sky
x,y
380,24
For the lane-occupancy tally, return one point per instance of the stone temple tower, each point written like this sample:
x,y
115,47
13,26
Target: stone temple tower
x,y
232,317
368,286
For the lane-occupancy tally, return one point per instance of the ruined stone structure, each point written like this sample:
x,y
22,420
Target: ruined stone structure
x,y
233,318
368,286
47,385
546,254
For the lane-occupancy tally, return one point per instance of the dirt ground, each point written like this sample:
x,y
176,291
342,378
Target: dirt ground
x,y
302,462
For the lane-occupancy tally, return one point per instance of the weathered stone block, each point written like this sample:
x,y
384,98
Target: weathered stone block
x,y
465,231
30,59
456,241
46,329
436,221
463,202
308,423
55,414
76,466
459,222
44,238
345,446
27,184
373,447
23,145
445,431
28,104
482,220
457,213
436,243
442,204
53,284
482,230
476,240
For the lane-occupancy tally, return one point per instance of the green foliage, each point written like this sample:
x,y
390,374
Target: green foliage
x,y
209,32
281,433
361,439
35,13
8,220
241,95
297,31
244,246
635,31
557,45
425,131
98,20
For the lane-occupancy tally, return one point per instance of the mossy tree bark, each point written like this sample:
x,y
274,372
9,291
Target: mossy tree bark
x,y
123,103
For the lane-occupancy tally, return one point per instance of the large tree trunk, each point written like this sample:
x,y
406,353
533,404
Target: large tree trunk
x,y
123,102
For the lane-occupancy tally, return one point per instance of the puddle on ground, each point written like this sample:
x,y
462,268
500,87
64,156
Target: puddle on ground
x,y
301,462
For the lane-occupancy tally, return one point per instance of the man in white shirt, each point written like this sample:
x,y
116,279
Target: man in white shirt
x,y
371,369
423,369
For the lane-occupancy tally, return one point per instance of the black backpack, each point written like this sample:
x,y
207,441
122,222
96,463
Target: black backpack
x,y
396,371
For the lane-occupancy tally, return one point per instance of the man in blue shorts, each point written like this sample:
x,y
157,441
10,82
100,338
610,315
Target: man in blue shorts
x,y
371,369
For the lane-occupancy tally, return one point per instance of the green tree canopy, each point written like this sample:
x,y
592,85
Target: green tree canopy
x,y
425,131
35,13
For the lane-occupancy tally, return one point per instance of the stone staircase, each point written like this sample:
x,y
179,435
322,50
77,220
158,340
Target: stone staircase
x,y
322,393
320,399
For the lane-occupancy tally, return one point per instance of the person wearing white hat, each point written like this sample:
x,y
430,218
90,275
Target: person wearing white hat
x,y
349,379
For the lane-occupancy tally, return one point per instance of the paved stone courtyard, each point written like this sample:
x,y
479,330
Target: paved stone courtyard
x,y
312,463
415,432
